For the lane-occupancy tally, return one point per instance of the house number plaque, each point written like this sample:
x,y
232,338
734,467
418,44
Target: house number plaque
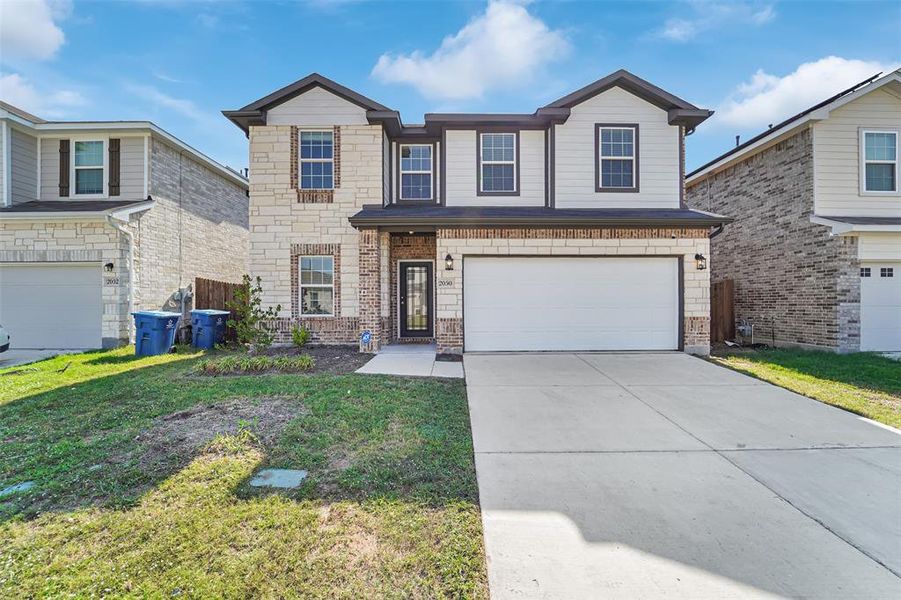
x,y
445,283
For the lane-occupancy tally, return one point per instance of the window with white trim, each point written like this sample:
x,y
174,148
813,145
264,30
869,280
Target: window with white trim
x,y
88,166
416,172
886,272
317,285
616,153
880,161
317,164
865,271
498,162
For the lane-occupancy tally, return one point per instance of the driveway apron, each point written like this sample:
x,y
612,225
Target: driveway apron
x,y
649,475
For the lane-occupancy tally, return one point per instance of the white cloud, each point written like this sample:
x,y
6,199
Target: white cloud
x,y
767,98
503,47
709,15
53,104
181,106
29,29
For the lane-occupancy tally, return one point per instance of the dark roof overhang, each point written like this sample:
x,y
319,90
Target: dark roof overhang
x,y
418,217
679,111
255,112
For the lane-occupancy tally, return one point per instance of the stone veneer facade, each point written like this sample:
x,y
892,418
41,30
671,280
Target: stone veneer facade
x,y
282,221
285,225
197,228
794,282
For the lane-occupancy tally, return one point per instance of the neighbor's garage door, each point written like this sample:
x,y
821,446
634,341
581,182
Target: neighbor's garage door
x,y
880,306
545,303
51,305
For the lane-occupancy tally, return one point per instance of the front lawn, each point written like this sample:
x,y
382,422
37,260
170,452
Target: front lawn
x,y
140,470
865,383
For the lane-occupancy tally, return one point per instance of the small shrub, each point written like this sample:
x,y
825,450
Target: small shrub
x,y
300,336
250,324
244,364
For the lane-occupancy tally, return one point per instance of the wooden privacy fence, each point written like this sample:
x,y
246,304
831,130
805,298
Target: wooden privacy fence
x,y
722,312
209,293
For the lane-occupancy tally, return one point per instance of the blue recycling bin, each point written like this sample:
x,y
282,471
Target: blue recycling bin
x,y
155,331
208,327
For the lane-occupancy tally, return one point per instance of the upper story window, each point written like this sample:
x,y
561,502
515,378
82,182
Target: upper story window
x,y
497,164
617,158
317,163
88,166
880,161
416,172
317,285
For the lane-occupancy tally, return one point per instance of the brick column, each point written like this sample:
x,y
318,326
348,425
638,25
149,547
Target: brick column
x,y
370,290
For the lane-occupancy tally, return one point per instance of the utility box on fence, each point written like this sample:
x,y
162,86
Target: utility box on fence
x,y
155,331
208,327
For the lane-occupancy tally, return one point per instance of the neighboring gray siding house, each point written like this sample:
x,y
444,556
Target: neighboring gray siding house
x,y
815,249
100,219
563,229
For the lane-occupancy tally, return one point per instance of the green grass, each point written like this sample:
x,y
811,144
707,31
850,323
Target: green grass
x,y
390,508
865,384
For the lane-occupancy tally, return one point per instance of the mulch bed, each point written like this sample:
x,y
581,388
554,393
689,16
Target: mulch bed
x,y
335,360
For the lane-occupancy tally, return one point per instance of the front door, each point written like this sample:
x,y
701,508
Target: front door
x,y
415,283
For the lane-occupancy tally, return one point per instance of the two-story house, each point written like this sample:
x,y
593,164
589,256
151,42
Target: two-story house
x,y
98,219
563,229
815,250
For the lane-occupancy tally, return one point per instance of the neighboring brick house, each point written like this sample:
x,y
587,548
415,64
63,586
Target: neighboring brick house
x,y
815,249
98,219
563,229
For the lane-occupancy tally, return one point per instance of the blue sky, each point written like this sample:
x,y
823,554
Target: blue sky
x,y
179,62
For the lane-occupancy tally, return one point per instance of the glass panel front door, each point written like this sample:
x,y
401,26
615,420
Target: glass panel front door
x,y
415,282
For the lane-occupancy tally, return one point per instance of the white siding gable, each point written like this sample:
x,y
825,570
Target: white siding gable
x,y
316,107
836,156
658,148
460,166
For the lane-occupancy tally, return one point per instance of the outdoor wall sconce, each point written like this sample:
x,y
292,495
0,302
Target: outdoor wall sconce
x,y
701,261
448,263
108,267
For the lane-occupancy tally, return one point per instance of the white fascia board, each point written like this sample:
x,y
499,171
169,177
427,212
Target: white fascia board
x,y
54,216
124,213
841,228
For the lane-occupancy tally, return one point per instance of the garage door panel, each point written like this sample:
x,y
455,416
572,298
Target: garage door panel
x,y
51,306
544,303
880,307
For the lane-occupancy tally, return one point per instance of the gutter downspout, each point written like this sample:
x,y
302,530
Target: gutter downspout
x,y
719,229
118,225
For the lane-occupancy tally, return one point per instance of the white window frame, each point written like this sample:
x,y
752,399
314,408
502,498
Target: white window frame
x,y
483,162
430,172
864,162
73,183
300,160
301,286
633,157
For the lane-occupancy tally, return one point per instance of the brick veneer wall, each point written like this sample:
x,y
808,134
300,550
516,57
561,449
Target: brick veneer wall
x,y
685,242
62,242
793,281
278,222
406,247
197,228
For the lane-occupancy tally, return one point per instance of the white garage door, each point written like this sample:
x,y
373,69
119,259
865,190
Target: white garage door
x,y
880,306
51,305
570,303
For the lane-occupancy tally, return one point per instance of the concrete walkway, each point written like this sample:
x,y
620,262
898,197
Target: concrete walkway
x,y
416,360
662,475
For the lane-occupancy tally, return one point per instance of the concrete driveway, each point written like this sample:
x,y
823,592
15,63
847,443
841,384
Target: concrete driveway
x,y
662,475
